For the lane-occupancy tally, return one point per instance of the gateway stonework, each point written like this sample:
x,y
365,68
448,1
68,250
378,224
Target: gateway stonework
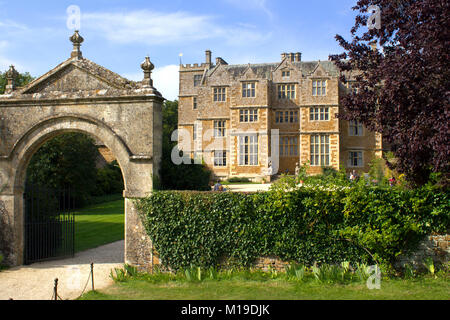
x,y
241,105
80,96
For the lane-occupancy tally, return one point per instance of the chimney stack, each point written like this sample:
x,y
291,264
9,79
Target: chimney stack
x,y
293,57
208,58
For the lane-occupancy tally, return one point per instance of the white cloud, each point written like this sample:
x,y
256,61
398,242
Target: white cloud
x,y
145,26
252,5
165,79
11,25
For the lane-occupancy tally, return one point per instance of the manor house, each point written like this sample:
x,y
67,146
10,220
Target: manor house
x,y
238,117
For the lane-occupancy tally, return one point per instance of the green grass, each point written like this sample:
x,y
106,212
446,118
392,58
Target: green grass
x,y
99,224
424,288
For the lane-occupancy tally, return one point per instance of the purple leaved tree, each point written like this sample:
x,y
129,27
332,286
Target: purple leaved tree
x,y
403,85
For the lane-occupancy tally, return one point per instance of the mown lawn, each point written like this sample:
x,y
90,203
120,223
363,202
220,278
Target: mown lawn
x,y
99,224
424,288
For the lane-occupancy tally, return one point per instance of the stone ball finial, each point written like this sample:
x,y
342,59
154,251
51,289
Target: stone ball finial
x,y
148,67
77,40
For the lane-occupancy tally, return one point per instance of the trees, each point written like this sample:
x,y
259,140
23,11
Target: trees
x,y
403,89
68,160
184,176
22,80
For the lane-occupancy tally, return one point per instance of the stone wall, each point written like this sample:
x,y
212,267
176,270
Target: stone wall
x,y
434,246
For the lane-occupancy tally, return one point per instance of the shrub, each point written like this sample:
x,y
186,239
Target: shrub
x,y
194,177
109,180
239,180
306,225
68,160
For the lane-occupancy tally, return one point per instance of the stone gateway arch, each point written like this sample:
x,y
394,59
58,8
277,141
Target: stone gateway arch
x,y
80,96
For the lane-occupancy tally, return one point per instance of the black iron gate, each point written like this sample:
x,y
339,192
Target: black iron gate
x,y
49,224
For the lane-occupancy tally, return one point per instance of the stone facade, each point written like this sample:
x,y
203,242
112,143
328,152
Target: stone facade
x,y
80,96
299,99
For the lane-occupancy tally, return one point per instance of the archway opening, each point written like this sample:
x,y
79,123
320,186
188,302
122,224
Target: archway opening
x,y
73,198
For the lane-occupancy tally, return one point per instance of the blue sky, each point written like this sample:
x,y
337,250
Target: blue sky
x,y
119,34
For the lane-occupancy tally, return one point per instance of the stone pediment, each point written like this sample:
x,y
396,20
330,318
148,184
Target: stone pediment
x,y
77,75
71,79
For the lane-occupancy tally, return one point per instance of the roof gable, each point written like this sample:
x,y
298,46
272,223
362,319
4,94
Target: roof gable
x,y
76,75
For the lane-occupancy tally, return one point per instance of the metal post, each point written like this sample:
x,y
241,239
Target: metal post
x,y
56,289
92,275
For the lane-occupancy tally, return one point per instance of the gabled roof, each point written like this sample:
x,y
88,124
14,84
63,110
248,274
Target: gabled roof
x,y
265,70
100,73
78,77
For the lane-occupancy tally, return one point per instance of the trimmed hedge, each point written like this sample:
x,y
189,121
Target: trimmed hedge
x,y
304,226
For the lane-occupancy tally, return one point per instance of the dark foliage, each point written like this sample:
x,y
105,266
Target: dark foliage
x,y
66,161
109,180
22,80
184,176
403,88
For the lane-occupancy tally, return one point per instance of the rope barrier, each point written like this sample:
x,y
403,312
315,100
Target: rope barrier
x,y
56,296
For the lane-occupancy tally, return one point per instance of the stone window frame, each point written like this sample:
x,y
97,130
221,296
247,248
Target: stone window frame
x,y
248,115
320,150
248,148
319,113
249,92
359,158
220,158
197,79
220,127
219,94
194,103
319,87
286,91
289,146
286,74
290,115
355,129
194,132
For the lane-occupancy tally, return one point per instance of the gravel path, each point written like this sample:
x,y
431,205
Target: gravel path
x,y
36,281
